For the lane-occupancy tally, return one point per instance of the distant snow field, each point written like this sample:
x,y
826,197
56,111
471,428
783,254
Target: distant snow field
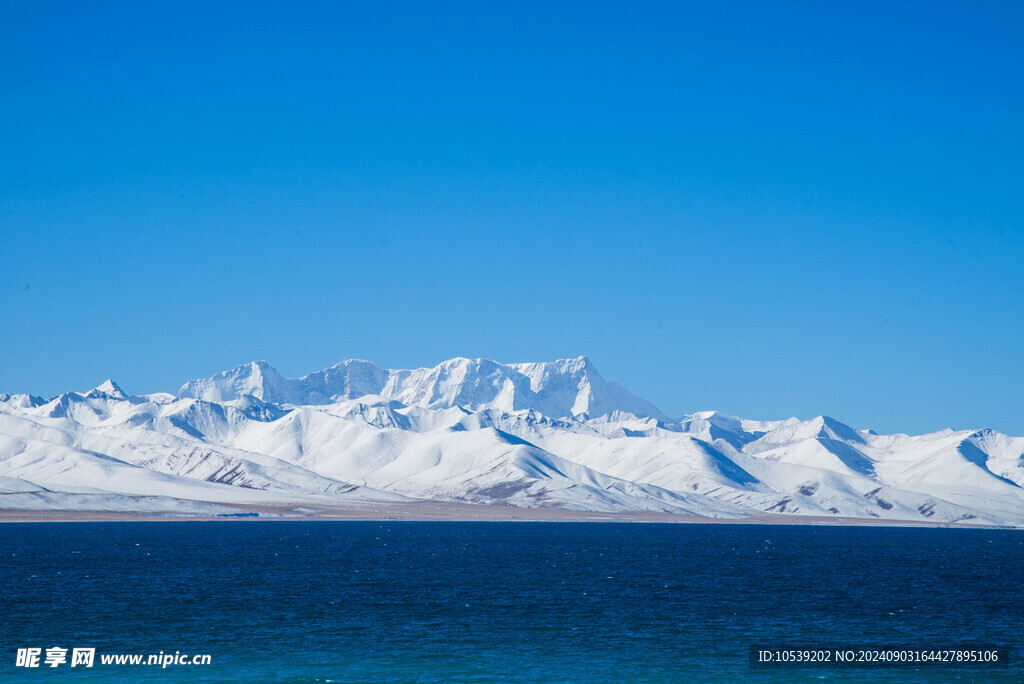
x,y
472,431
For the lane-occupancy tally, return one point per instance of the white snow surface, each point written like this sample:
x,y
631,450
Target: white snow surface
x,y
535,435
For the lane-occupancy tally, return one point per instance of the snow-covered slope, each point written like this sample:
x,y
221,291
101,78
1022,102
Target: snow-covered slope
x,y
537,435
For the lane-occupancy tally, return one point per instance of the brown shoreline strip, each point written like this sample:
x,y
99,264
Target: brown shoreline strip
x,y
454,512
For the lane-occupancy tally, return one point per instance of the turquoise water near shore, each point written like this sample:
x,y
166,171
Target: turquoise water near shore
x,y
502,602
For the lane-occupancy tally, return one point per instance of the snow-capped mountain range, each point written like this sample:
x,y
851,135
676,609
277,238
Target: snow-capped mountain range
x,y
550,435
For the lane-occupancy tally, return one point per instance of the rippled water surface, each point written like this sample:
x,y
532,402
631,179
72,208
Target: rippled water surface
x,y
503,602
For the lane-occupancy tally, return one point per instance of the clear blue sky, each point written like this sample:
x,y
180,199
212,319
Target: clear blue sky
x,y
769,209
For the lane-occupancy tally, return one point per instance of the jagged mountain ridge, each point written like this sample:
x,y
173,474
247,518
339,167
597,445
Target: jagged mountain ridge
x,y
547,435
563,388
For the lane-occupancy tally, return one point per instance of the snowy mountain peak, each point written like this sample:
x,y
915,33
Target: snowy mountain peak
x,y
819,428
109,389
555,382
833,429
346,380
559,389
258,379
21,400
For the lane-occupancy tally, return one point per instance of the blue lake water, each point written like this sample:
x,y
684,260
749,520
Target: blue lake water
x,y
503,602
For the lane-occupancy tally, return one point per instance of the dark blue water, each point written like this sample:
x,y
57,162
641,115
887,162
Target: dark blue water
x,y
506,602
